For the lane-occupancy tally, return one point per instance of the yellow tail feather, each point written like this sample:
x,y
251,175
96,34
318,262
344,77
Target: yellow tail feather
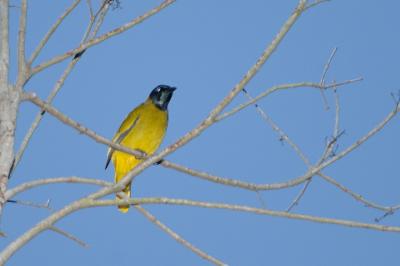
x,y
124,208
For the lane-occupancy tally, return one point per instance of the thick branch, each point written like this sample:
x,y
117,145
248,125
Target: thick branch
x,y
4,46
9,101
22,69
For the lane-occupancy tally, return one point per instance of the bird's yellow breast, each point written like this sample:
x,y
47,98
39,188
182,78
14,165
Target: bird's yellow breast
x,y
143,129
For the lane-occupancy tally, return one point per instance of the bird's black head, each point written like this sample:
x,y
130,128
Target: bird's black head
x,y
161,96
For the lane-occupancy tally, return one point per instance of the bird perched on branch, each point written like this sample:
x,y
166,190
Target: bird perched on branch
x,y
142,130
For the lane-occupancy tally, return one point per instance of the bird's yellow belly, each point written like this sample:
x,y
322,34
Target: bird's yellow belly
x,y
146,136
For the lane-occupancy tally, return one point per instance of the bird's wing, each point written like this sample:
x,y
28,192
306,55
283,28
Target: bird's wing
x,y
126,127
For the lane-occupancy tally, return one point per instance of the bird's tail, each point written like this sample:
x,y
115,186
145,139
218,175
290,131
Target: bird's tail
x,y
127,191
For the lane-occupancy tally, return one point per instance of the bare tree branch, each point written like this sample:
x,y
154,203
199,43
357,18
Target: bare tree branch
x,y
280,132
43,225
297,199
360,141
329,148
327,65
358,197
336,134
102,38
211,117
12,95
80,180
324,72
101,14
203,175
284,137
69,236
87,202
284,214
51,31
261,60
315,3
58,86
22,68
46,205
91,13
284,87
55,180
66,120
177,237
9,102
4,48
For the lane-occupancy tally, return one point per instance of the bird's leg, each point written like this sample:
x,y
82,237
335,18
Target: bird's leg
x,y
143,154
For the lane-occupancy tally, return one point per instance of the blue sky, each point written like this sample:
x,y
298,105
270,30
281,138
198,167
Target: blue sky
x,y
204,48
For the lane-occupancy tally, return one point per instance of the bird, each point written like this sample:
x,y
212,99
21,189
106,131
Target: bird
x,y
143,130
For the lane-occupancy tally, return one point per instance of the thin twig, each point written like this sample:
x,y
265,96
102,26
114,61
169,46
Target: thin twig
x,y
315,3
101,14
68,235
32,204
89,34
51,31
55,180
295,147
386,214
40,114
358,197
329,149
280,132
327,65
89,4
336,128
324,72
297,199
261,200
284,87
92,42
177,237
363,139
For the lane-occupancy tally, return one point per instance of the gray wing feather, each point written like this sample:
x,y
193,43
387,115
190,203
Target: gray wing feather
x,y
119,140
